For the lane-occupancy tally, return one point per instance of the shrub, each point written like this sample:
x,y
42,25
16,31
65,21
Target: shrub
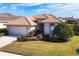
x,y
21,39
32,39
77,50
37,31
2,30
46,36
6,32
63,31
71,26
52,39
39,36
76,29
32,33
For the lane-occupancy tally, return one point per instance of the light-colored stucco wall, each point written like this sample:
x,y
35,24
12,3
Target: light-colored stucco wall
x,y
49,29
32,28
2,25
46,28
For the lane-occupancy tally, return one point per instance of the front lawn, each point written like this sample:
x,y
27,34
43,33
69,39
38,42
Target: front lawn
x,y
41,48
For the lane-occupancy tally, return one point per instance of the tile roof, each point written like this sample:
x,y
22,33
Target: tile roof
x,y
40,16
5,17
30,20
19,21
52,19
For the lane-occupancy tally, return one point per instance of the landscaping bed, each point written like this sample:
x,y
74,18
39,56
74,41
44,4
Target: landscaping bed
x,y
42,48
22,39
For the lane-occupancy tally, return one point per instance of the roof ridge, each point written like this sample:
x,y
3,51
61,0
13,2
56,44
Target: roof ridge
x,y
46,16
27,21
57,18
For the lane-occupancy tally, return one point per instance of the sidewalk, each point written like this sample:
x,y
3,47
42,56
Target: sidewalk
x,y
8,54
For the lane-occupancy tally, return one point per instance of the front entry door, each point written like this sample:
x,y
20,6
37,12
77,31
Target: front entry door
x,y
41,27
52,26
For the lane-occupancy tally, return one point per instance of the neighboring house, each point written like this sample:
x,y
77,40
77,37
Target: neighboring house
x,y
5,17
23,26
71,20
77,20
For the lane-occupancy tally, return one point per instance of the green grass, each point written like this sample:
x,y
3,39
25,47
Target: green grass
x,y
41,48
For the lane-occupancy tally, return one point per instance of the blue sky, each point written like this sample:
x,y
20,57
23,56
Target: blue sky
x,y
29,9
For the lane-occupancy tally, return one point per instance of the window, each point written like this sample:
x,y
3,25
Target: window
x,y
52,24
39,21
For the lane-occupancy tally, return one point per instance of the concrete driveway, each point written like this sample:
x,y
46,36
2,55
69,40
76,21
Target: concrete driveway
x,y
4,40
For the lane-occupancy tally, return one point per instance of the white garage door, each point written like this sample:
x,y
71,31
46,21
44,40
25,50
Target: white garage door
x,y
18,30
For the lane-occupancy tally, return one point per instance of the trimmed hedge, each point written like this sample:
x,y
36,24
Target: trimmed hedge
x,y
76,29
2,30
58,40
63,31
21,39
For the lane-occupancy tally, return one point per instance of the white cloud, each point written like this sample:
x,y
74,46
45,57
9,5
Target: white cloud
x,y
43,11
69,8
13,8
40,10
49,8
33,4
26,4
55,5
60,9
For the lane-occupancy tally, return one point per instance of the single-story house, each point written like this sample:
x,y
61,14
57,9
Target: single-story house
x,y
24,25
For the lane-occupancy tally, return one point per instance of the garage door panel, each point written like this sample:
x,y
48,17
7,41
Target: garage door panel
x,y
18,31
